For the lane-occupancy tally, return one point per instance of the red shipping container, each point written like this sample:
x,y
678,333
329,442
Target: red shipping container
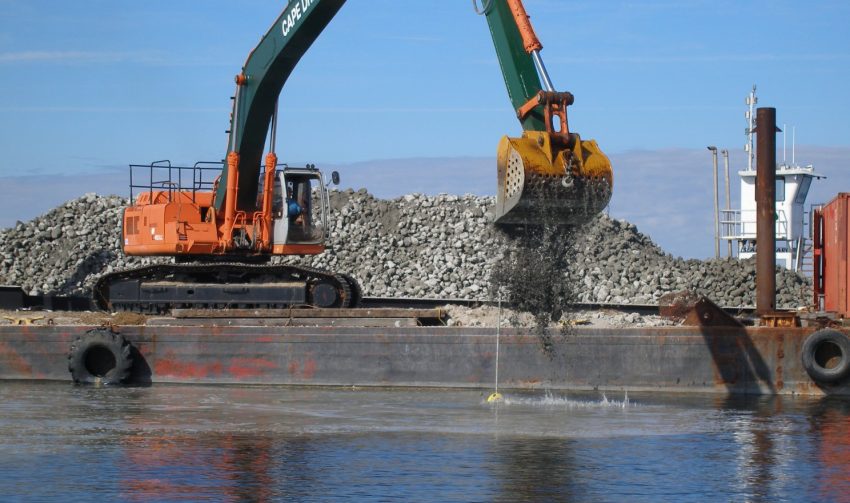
x,y
835,229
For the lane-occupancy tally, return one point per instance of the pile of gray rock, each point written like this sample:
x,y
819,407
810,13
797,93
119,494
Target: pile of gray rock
x,y
414,246
618,264
65,250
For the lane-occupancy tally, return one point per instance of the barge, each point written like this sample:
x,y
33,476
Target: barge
x,y
713,359
709,351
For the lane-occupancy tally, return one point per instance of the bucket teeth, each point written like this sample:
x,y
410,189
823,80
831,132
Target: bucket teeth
x,y
541,186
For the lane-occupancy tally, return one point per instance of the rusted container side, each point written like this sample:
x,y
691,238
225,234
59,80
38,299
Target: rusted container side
x,y
836,230
721,360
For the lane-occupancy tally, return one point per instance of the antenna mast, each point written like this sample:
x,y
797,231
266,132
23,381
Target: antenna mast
x,y
784,146
751,127
794,145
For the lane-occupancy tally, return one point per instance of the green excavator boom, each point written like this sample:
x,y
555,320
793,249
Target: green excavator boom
x,y
547,157
272,61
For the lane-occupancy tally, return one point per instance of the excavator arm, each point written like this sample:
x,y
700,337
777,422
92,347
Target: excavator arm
x,y
548,167
518,70
257,89
547,176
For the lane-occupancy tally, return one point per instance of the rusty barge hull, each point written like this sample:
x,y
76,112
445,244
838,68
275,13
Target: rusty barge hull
x,y
676,359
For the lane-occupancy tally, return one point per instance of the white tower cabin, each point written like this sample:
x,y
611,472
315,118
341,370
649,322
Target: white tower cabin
x,y
792,187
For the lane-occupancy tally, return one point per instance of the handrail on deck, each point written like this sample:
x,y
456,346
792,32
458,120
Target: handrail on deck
x,y
162,175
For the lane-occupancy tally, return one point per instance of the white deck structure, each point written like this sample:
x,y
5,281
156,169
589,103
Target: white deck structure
x,y
792,187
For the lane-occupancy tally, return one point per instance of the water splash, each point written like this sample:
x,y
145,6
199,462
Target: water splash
x,y
549,400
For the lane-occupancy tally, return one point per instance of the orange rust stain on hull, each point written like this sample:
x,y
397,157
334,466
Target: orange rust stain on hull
x,y
780,354
18,363
305,371
242,368
293,368
174,368
309,369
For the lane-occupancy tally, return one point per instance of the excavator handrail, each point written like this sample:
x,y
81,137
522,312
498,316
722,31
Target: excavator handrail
x,y
170,177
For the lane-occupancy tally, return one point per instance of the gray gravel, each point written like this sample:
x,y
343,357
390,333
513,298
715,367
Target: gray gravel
x,y
413,246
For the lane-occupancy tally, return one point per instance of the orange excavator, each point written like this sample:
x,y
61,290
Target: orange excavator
x,y
222,222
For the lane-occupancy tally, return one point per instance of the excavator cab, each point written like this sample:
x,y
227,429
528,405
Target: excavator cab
x,y
300,207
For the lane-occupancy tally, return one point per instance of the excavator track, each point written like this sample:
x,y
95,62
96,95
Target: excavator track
x,y
356,292
160,288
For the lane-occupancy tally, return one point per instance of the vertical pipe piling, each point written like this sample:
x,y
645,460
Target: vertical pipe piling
x,y
716,203
765,210
725,153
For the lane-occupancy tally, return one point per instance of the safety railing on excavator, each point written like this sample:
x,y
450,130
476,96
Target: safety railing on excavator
x,y
163,176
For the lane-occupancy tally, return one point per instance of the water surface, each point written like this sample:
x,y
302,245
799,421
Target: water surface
x,y
231,443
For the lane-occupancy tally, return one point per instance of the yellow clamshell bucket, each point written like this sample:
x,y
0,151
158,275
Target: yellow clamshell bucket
x,y
541,183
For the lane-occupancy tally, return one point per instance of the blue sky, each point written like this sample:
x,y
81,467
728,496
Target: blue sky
x,y
91,85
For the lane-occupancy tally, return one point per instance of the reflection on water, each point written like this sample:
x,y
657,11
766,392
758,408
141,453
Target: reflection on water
x,y
270,443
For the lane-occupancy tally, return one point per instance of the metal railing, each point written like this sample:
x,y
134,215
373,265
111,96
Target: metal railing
x,y
732,225
810,216
163,176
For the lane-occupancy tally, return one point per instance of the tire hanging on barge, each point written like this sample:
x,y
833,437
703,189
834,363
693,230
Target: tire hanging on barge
x,y
160,288
826,356
100,356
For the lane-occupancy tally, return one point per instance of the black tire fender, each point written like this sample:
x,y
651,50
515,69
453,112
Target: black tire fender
x,y
826,356
100,356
